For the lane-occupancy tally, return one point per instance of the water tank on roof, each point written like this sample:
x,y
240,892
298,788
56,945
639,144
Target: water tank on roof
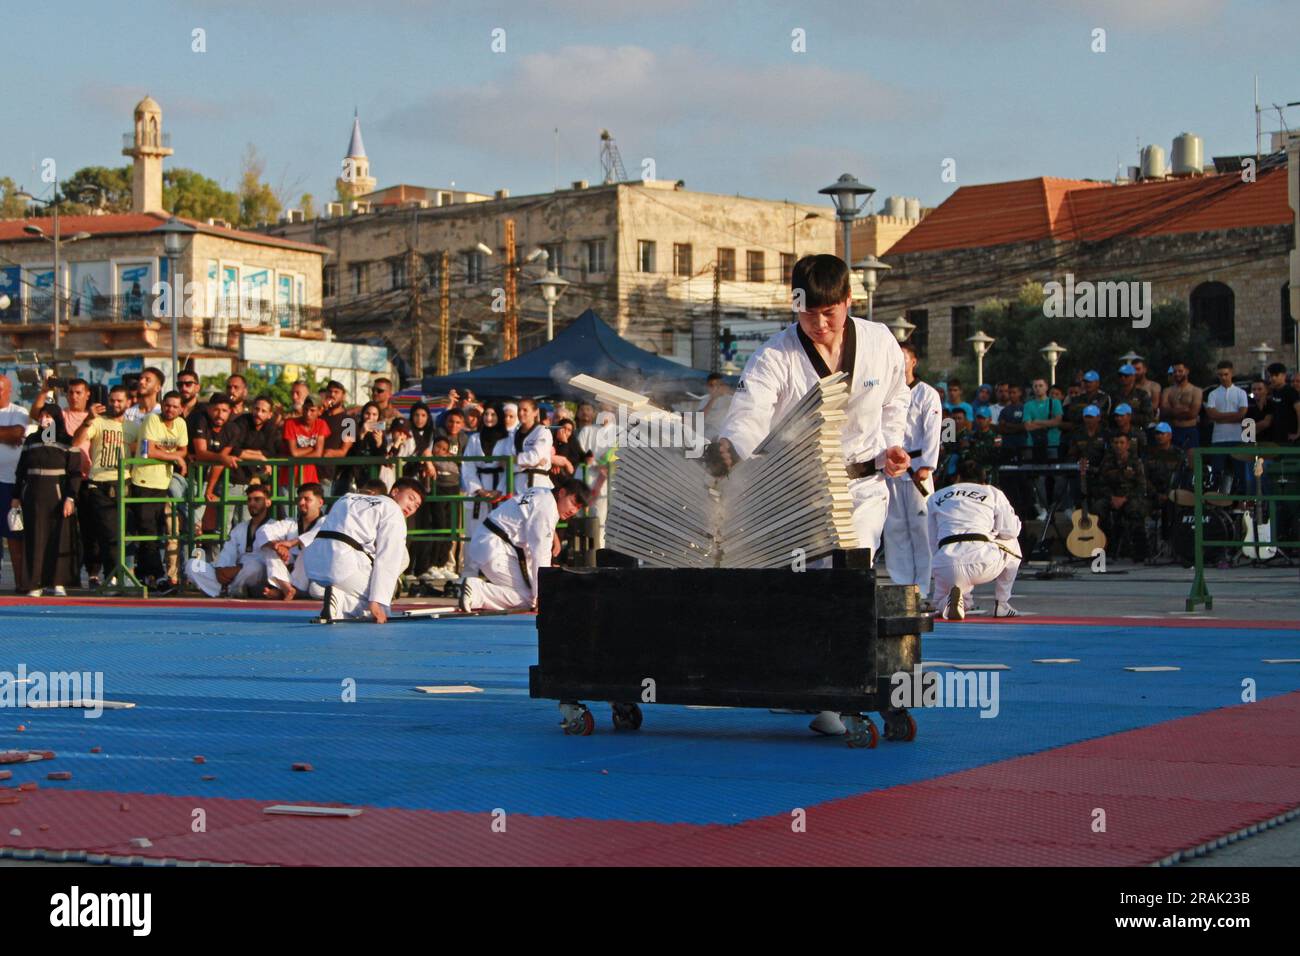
x,y
1188,155
912,208
1153,162
895,206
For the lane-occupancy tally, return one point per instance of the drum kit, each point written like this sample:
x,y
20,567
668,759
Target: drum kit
x,y
1221,522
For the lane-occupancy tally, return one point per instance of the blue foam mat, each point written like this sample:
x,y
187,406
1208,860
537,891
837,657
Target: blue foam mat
x,y
255,691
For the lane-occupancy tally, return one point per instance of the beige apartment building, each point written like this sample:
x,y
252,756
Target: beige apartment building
x,y
642,254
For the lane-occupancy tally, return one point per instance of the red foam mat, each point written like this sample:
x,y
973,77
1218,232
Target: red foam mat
x,y
1163,788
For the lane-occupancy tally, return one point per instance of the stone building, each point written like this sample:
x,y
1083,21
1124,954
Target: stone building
x,y
641,253
1216,242
114,268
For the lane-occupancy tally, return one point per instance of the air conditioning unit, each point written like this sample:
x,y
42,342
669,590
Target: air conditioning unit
x,y
293,215
333,210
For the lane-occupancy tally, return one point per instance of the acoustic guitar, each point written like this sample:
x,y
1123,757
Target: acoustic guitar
x,y
1086,535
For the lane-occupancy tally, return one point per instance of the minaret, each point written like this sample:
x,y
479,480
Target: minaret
x,y
356,179
148,149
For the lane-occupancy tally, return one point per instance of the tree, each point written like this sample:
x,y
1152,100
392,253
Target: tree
x,y
308,206
195,196
11,207
97,189
257,202
1021,329
260,384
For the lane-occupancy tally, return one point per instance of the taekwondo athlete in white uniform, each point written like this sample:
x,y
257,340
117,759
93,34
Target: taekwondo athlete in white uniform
x,y
515,542
974,537
282,542
532,446
360,551
240,568
825,340
907,545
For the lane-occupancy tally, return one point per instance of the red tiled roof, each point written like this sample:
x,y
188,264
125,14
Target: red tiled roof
x,y
132,224
1029,210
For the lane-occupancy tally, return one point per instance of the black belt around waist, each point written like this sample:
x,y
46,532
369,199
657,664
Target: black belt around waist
x,y
346,539
497,530
969,536
865,469
533,472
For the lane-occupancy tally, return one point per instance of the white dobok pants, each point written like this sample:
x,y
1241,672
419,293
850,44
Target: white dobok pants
x,y
907,545
502,587
968,563
279,575
346,571
249,582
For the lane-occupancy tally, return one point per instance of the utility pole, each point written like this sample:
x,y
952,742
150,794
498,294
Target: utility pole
x,y
715,362
444,314
414,283
510,331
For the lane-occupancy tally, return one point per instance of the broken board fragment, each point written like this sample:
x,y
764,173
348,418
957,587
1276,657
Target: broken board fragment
x,y
1152,670
981,667
450,689
1056,660
81,702
292,810
1281,660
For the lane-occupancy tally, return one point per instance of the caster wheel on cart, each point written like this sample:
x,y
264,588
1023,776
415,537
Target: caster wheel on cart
x,y
577,720
627,716
899,725
862,731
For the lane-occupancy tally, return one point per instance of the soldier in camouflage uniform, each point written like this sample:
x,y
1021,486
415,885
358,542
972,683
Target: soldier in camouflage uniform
x,y
1162,462
1124,505
1126,424
1088,448
983,445
1091,397
1135,397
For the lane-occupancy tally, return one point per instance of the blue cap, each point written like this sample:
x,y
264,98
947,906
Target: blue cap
x,y
1123,409
1092,411
983,411
1170,371
1091,377
1127,369
1164,427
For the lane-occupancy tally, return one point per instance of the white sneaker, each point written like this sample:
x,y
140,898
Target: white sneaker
x,y
60,591
468,595
1042,514
828,723
956,610
1003,609
37,593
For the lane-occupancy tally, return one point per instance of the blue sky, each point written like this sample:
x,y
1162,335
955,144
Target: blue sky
x,y
713,91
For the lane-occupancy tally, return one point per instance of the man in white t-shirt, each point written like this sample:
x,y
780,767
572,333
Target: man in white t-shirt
x,y
1226,406
13,429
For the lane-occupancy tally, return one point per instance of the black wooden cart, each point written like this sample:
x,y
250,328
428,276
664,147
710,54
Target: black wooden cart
x,y
811,640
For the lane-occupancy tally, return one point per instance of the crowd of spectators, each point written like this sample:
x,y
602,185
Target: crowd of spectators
x,y
59,468
1120,451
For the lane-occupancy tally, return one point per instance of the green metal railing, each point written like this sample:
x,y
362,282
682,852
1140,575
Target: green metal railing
x,y
1200,594
283,492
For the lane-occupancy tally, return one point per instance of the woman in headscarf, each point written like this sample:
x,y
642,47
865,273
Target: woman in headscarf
x,y
45,487
421,549
485,480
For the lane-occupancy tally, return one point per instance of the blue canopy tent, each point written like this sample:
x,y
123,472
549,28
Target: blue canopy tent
x,y
586,346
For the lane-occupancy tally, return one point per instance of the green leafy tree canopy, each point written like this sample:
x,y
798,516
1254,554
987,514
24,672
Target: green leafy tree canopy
x,y
260,384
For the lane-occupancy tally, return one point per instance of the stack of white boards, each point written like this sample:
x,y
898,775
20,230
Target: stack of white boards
x,y
788,501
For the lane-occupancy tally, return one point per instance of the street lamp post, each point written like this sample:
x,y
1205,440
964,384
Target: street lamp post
x,y
174,233
1129,357
872,270
1053,352
981,343
31,229
552,287
900,327
1262,351
468,346
844,192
